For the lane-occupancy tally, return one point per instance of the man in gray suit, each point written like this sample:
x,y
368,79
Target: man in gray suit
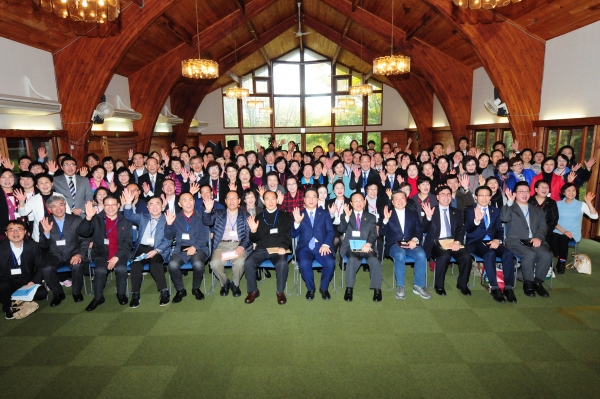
x,y
526,232
76,189
365,230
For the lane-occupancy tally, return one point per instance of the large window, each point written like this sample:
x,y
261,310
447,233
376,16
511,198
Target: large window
x,y
315,139
287,137
343,140
559,137
250,141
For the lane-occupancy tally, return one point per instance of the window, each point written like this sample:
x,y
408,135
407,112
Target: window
x,y
287,111
376,137
559,137
318,111
250,141
484,140
230,109
16,148
508,140
252,117
352,116
295,137
232,137
315,139
343,140
35,143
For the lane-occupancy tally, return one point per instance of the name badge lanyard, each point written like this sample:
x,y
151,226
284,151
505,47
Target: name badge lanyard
x,y
187,224
338,210
17,262
153,229
232,225
274,220
111,229
374,208
59,230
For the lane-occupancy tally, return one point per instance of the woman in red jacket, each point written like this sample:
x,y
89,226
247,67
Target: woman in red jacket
x,y
556,182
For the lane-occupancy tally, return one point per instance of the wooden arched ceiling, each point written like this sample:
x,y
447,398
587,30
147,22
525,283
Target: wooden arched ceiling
x,y
444,42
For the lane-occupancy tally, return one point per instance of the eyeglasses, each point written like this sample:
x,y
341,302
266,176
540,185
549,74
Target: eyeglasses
x,y
522,192
69,164
517,164
15,229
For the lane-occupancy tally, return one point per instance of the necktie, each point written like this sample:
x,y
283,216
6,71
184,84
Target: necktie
x,y
447,223
486,220
311,244
364,182
72,187
358,221
153,182
391,181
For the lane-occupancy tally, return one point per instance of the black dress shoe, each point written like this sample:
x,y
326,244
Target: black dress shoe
x,y
123,300
135,300
267,273
366,268
165,298
561,267
258,274
94,304
509,293
235,291
225,288
348,294
78,298
440,291
325,294
377,297
465,291
310,295
57,300
497,295
528,289
540,290
198,294
179,296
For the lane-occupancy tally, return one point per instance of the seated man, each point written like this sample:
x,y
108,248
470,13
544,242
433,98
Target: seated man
x,y
151,241
358,224
314,228
19,260
485,240
112,242
63,246
269,230
231,233
205,196
191,237
525,237
441,223
403,233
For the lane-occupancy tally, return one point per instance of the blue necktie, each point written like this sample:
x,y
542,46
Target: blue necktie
x,y
447,223
311,244
364,182
486,220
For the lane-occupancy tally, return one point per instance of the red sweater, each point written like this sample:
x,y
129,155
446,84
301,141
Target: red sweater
x,y
555,186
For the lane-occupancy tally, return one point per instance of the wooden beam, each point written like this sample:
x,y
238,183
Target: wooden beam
x,y
336,54
488,126
368,76
82,83
233,76
346,28
354,5
265,55
241,5
592,121
252,30
419,24
512,58
176,29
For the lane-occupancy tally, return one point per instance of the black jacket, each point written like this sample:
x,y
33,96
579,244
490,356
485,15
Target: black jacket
x,y
550,211
97,230
74,243
31,259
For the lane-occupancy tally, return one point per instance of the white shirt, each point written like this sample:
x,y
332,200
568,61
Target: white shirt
x,y
139,172
171,203
401,216
372,207
18,251
443,232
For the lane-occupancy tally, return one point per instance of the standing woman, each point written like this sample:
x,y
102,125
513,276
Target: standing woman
x,y
320,176
335,206
294,169
423,157
498,198
179,175
109,167
97,180
281,169
556,182
548,205
258,177
8,202
570,214
412,175
308,180
527,157
470,170
354,146
439,176
251,158
338,173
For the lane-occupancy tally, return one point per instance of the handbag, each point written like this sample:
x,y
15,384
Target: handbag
x,y
582,263
22,309
499,278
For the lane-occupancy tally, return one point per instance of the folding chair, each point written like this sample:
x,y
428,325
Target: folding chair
x,y
362,263
298,278
267,264
477,259
214,279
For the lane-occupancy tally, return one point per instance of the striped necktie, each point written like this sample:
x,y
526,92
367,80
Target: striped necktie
x,y
72,187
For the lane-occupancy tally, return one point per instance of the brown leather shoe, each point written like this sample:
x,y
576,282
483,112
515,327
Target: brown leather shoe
x,y
281,298
252,296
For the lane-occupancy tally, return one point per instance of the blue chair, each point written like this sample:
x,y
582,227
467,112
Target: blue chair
x,y
574,244
214,279
477,259
267,264
362,262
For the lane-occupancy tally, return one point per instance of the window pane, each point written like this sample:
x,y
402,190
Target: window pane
x,y
318,111
576,142
37,143
250,141
287,111
317,78
508,140
343,140
376,137
589,143
232,137
312,56
342,84
230,112
292,56
356,78
564,138
247,83
315,139
376,85
491,139
341,69
262,86
16,148
353,114
286,78
263,71
551,150
480,139
296,138
252,116
374,111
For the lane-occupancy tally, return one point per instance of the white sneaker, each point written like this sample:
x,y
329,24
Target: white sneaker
x,y
400,293
421,291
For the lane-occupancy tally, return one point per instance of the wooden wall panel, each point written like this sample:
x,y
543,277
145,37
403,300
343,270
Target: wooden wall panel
x,y
159,142
442,136
116,147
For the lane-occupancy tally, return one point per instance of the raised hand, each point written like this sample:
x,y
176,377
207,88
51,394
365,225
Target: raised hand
x,y
481,180
478,213
298,216
146,187
515,145
331,209
90,210
112,187
164,200
389,193
173,145
387,213
572,176
47,225
356,172
164,155
384,140
510,195
83,171
330,174
576,167
131,168
130,154
7,164
252,223
464,181
194,188
170,216
128,195
478,152
347,211
590,163
261,191
185,174
20,195
201,147
449,149
52,166
123,201
428,210
383,176
400,179
42,153
589,197
280,197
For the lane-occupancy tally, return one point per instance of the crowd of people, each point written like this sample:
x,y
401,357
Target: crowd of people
x,y
229,207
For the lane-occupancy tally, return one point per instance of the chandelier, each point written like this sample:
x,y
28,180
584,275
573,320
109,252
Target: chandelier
x,y
477,4
94,11
364,89
346,102
237,93
338,110
265,110
255,104
198,68
392,64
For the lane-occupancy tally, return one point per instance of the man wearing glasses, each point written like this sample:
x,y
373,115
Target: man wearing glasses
x,y
526,232
76,189
485,235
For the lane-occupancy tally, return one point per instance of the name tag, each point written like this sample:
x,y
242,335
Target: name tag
x,y
15,271
106,241
150,241
134,227
422,214
61,243
233,235
274,231
185,236
356,234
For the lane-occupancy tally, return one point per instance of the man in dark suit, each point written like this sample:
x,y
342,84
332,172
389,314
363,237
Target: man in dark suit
x,y
151,183
485,236
314,230
525,237
462,197
111,235
358,224
364,175
403,234
63,246
389,178
76,189
446,222
19,260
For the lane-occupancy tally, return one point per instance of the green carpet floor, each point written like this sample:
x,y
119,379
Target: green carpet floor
x,y
463,347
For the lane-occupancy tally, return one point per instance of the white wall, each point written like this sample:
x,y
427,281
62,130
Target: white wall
x,y
571,83
18,61
439,116
483,89
118,86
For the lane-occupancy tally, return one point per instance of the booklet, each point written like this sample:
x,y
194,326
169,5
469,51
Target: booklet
x,y
229,255
447,242
356,245
272,251
25,293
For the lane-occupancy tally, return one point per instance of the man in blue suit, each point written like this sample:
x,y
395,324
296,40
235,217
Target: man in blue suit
x,y
315,230
485,240
403,234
